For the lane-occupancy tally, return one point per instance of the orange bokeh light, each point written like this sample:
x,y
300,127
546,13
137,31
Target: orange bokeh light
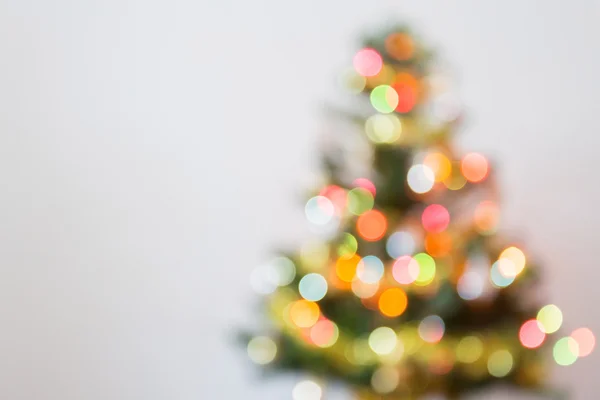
x,y
438,244
371,225
304,313
474,167
345,268
400,46
393,302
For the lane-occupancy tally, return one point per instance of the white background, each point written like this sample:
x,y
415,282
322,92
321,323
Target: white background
x,y
152,152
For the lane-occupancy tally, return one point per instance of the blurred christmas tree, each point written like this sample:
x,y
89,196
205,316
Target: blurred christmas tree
x,y
409,292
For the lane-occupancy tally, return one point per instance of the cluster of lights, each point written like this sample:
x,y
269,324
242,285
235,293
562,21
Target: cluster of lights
x,y
381,284
436,168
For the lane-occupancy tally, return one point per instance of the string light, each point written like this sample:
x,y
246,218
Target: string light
x,y
431,329
385,379
345,268
383,128
371,225
474,167
319,210
426,269
435,218
359,201
565,351
586,341
307,390
304,314
384,99
393,302
262,350
383,340
550,318
365,184
400,243
531,334
406,270
500,363
313,287
420,178
469,349
368,62
370,269
324,333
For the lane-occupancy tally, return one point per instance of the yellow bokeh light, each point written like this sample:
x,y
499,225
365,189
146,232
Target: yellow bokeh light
x,y
393,302
304,313
469,349
345,268
439,164
517,258
383,340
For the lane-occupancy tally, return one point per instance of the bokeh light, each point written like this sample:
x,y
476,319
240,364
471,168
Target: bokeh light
x,y
383,340
507,268
400,46
304,313
285,270
497,278
517,258
384,76
407,97
368,62
439,164
324,333
360,201
337,196
371,225
393,302
313,287
314,254
471,285
500,363
348,245
385,379
435,218
370,269
426,269
469,349
405,270
486,217
319,210
586,341
456,180
352,81
431,329
565,351
474,167
364,290
384,99
420,178
262,350
307,390
345,268
399,244
365,184
550,318
531,334
383,128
